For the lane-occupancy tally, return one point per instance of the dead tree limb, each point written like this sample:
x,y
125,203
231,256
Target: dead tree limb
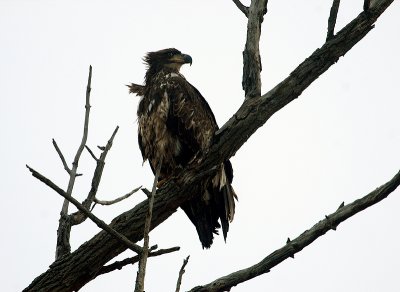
x,y
305,239
180,275
251,81
100,223
139,286
119,199
79,216
118,265
90,257
64,227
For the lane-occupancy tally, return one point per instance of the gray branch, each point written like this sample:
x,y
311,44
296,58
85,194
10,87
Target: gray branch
x,y
78,217
306,238
139,286
180,275
67,169
136,248
119,199
118,265
242,7
64,227
251,81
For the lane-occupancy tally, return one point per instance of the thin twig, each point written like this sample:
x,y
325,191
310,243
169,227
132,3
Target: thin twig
x,y
242,7
136,248
139,286
118,265
181,272
61,157
91,153
306,238
101,202
64,227
332,19
78,217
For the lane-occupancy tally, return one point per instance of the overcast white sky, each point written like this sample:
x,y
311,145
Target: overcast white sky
x,y
337,142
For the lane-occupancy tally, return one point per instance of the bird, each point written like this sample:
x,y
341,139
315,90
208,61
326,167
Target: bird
x,y
176,126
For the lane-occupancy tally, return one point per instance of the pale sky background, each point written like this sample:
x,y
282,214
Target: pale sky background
x,y
337,142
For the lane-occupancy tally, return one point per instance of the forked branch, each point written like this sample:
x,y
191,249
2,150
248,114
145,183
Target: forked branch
x,y
64,227
136,248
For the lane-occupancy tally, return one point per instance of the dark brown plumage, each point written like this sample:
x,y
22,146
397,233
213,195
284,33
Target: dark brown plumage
x,y
177,125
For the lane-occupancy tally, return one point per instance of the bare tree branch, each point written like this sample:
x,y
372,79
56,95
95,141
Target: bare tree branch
x,y
64,227
91,153
251,82
332,19
119,199
242,7
68,170
78,217
136,248
118,265
139,286
181,272
86,261
305,239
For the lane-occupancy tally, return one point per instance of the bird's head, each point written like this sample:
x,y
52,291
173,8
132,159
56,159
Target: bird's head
x,y
171,59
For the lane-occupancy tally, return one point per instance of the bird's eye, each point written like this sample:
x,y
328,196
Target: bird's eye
x,y
170,54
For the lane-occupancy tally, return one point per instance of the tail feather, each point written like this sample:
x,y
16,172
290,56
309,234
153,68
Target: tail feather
x,y
215,208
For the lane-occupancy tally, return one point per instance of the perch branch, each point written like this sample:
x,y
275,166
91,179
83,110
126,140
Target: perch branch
x,y
332,19
305,239
181,272
136,248
139,286
242,7
101,202
64,227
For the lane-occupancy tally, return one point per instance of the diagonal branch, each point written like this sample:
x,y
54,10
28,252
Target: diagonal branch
x,y
181,272
242,7
118,265
136,248
78,217
64,227
86,261
332,19
305,239
68,170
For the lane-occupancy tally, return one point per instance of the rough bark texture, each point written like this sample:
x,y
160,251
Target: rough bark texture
x,y
74,270
251,82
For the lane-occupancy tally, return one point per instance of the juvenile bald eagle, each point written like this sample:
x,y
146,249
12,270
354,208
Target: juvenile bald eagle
x,y
176,126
